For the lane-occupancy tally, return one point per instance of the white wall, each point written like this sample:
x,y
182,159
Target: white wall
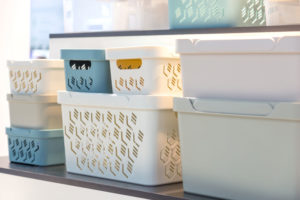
x,y
14,44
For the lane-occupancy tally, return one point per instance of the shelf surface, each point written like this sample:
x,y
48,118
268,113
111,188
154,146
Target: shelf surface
x,y
284,28
58,174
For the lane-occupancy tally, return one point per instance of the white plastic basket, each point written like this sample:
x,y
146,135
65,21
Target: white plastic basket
x,y
244,150
36,76
145,70
282,12
125,138
251,68
34,112
108,15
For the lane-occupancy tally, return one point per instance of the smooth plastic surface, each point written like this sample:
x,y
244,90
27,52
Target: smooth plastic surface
x,y
86,71
36,76
131,144
282,12
145,70
245,150
34,112
249,68
36,147
218,13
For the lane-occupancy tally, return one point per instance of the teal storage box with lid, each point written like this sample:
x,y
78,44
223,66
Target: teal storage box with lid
x,y
215,13
86,70
36,147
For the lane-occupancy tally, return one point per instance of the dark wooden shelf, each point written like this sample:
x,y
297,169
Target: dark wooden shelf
x,y
285,28
58,174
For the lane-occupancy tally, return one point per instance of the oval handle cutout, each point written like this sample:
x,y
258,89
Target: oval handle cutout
x,y
80,64
125,64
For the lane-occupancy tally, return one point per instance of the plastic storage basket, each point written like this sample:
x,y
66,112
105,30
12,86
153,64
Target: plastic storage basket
x,y
34,112
86,71
263,68
145,70
245,150
216,13
282,12
125,138
36,147
36,76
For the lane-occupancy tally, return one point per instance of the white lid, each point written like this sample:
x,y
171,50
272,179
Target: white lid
x,y
263,44
39,63
32,98
139,52
271,110
141,102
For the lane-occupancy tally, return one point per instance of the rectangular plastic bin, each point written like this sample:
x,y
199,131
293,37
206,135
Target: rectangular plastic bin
x,y
282,12
216,13
126,138
34,112
257,68
36,147
36,76
86,70
244,150
145,70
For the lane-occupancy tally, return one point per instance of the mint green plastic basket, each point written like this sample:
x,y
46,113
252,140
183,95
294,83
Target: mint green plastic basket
x,y
215,13
36,147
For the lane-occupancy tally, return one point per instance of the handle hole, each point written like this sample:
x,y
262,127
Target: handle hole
x,y
80,65
128,64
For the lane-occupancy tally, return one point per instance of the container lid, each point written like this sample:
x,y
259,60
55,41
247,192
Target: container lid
x,y
271,110
32,98
82,54
35,134
262,44
40,63
140,102
140,52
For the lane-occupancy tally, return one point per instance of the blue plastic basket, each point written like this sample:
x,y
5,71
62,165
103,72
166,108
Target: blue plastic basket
x,y
215,13
86,71
36,147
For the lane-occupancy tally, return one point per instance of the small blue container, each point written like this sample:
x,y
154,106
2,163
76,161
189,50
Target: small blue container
x,y
36,147
215,13
86,71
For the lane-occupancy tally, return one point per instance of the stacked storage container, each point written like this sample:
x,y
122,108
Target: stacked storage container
x,y
216,13
130,135
241,117
35,136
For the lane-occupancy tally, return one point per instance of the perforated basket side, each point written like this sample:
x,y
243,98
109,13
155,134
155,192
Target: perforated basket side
x,y
103,142
253,13
153,76
23,150
25,80
188,14
170,156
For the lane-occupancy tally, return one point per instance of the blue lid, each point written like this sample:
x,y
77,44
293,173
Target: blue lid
x,y
82,54
32,133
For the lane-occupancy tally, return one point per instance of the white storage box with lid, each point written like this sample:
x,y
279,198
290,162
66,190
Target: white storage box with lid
x,y
257,68
145,70
34,111
126,138
244,150
36,76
